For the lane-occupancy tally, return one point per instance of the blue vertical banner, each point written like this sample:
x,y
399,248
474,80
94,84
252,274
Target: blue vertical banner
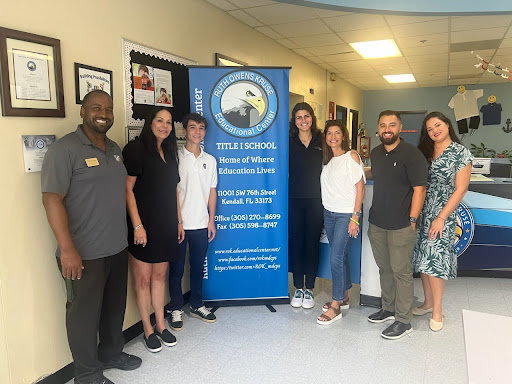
x,y
247,113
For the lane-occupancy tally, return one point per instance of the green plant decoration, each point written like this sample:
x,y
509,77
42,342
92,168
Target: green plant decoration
x,y
482,151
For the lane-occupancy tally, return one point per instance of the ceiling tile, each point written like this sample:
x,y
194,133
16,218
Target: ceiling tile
x,y
366,35
315,59
355,21
507,43
302,28
222,4
269,32
328,67
485,53
405,85
505,60
428,66
328,13
245,18
427,50
317,40
422,40
478,34
462,81
250,3
436,76
419,29
433,84
330,49
303,52
504,52
397,20
389,61
393,71
468,23
433,57
288,43
349,56
358,65
281,13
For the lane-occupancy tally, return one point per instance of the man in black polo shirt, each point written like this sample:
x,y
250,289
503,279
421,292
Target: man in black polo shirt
x,y
83,181
400,177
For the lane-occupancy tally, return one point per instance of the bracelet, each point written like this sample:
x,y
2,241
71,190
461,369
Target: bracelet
x,y
439,217
180,222
354,220
137,227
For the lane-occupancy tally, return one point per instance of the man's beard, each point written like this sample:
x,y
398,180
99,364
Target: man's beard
x,y
388,141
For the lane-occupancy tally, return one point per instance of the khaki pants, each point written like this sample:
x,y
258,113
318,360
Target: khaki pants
x,y
392,250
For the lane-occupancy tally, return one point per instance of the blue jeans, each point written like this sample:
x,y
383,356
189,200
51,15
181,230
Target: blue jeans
x,y
336,226
197,240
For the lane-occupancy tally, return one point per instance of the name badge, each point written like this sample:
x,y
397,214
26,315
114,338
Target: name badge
x,y
92,162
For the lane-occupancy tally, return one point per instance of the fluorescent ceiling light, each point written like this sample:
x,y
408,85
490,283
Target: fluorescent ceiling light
x,y
405,78
377,49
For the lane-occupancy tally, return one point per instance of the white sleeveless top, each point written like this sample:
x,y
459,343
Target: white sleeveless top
x,y
338,180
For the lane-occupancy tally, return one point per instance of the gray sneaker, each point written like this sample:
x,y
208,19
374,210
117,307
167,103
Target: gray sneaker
x,y
297,298
309,299
204,314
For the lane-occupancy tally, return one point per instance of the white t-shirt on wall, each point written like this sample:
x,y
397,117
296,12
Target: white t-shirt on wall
x,y
338,180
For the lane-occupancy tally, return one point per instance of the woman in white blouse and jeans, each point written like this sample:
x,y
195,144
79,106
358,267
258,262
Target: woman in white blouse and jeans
x,y
342,182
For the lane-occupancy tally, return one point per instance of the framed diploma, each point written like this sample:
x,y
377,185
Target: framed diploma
x,y
31,75
89,78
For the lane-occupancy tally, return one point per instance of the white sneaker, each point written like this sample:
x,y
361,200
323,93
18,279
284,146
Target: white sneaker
x,y
309,299
297,298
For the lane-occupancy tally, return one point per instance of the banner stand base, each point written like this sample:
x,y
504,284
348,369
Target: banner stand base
x,y
370,301
247,302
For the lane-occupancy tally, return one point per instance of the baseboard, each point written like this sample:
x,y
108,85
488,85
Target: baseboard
x,y
370,301
67,373
247,302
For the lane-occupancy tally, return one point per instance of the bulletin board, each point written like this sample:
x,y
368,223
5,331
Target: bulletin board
x,y
149,71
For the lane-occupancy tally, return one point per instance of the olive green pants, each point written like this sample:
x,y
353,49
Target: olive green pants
x,y
392,250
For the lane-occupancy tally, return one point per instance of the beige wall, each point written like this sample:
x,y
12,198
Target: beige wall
x,y
32,296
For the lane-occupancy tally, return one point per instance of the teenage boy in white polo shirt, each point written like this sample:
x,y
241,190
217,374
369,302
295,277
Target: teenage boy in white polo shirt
x,y
198,196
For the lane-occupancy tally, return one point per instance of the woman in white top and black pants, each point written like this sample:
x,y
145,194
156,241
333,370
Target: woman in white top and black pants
x,y
342,182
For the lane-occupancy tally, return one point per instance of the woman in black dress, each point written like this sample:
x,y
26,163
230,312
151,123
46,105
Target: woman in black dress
x,y
153,210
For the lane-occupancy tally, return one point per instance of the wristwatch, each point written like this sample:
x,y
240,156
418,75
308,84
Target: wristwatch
x,y
413,219
358,214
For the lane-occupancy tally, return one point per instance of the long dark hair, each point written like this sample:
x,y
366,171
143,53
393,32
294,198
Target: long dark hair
x,y
345,143
426,144
147,137
294,131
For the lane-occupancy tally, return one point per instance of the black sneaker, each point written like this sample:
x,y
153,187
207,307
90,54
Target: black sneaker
x,y
166,337
123,361
176,320
396,330
100,380
152,343
381,316
204,314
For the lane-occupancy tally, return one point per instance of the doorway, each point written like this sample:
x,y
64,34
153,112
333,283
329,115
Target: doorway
x,y
411,125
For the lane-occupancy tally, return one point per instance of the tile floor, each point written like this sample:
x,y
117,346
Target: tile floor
x,y
253,345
